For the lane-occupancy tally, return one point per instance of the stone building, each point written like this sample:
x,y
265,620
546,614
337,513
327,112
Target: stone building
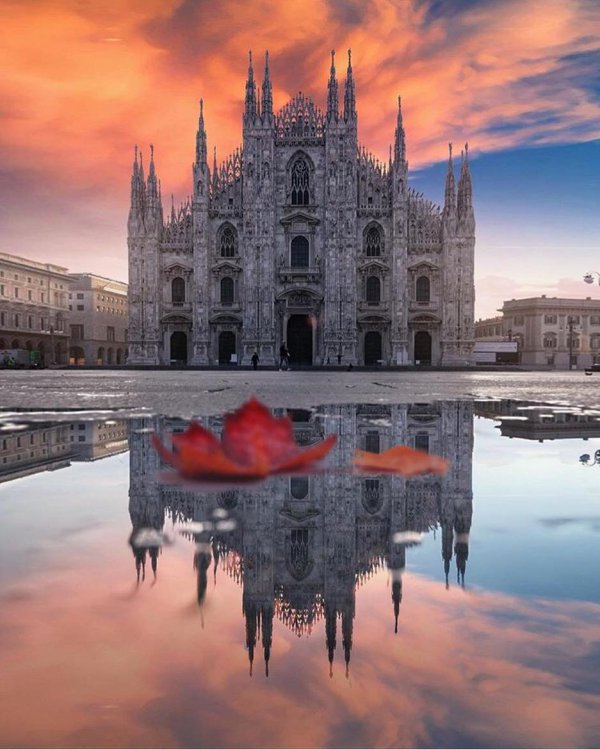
x,y
33,308
303,236
98,316
550,331
300,546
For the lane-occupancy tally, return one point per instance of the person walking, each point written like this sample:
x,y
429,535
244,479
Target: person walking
x,y
255,360
284,357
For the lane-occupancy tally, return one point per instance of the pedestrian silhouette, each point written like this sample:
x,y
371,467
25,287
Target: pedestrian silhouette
x,y
284,357
255,360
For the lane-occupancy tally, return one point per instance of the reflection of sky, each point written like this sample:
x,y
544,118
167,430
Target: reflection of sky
x,y
90,661
536,518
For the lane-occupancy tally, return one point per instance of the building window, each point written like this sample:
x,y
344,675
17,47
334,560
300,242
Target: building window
x,y
29,295
595,320
372,441
80,308
30,321
227,291
2,290
79,295
110,333
77,332
16,321
300,194
2,319
373,242
178,291
595,342
423,289
519,320
16,292
373,290
550,319
550,341
299,253
575,319
227,242
422,441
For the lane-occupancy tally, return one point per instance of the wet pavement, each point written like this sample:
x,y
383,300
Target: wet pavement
x,y
185,393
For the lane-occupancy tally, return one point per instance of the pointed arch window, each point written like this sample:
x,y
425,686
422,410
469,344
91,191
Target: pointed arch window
x,y
178,291
227,291
373,290
300,183
299,252
373,242
227,242
423,289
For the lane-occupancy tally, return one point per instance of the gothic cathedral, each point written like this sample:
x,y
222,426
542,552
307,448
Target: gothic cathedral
x,y
302,237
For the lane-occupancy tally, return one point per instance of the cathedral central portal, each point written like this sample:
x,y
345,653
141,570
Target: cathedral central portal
x,y
300,331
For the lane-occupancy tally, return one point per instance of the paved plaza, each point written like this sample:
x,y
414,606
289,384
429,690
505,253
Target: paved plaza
x,y
185,393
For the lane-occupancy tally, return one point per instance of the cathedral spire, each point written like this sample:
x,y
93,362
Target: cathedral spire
x,y
465,190
349,92
250,111
136,188
399,140
267,91
215,176
450,192
332,92
201,137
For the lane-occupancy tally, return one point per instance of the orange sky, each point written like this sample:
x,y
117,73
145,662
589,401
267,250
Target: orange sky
x,y
84,81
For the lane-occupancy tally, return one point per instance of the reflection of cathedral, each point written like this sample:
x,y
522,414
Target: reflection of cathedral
x,y
302,544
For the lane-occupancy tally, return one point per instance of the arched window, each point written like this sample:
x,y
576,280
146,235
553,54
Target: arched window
x,y
178,291
373,242
227,242
299,254
227,291
299,487
300,196
373,290
423,289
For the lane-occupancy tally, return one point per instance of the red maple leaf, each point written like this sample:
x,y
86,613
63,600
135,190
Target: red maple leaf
x,y
400,460
254,444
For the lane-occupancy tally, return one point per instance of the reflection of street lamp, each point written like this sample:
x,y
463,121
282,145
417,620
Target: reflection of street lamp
x,y
586,460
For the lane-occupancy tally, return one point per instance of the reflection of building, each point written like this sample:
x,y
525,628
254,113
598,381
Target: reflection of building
x,y
47,446
301,235
522,419
549,330
302,544
99,319
33,308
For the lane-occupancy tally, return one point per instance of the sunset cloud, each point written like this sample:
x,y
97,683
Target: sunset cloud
x,y
84,82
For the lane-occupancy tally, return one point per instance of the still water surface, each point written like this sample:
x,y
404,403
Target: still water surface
x,y
321,611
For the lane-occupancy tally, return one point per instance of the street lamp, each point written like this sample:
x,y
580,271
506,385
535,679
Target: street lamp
x,y
585,459
589,277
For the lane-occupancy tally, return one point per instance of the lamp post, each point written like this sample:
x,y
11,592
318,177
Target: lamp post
x,y
570,324
589,277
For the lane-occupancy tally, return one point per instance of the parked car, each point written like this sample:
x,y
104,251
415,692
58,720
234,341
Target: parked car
x,y
592,368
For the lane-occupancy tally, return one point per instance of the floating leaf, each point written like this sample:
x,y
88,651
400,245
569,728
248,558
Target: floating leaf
x,y
400,460
254,445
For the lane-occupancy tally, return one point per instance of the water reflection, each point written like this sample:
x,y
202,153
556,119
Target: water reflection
x,y
301,546
28,448
151,642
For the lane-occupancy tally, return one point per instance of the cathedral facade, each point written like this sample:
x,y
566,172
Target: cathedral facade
x,y
302,237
